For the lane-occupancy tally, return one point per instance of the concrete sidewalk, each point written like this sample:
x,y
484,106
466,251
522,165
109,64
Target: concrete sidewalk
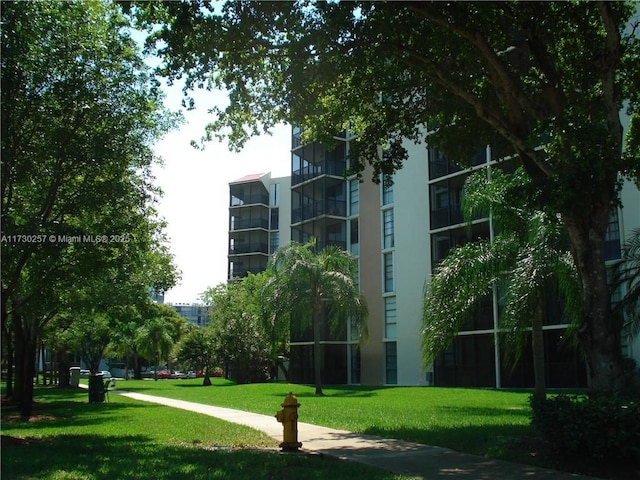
x,y
406,458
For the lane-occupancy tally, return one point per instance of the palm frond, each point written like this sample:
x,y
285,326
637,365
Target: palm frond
x,y
626,282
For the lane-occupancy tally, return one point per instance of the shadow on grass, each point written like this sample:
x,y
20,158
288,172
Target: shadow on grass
x,y
135,457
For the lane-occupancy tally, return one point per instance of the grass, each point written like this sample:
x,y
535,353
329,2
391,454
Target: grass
x,y
469,420
491,423
69,438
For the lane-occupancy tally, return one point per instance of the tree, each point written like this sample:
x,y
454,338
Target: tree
x,y
197,349
80,112
524,259
312,288
161,329
241,340
543,80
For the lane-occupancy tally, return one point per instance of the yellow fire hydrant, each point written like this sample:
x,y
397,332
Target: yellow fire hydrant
x,y
288,417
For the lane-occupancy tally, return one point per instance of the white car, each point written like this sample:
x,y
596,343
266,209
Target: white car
x,y
105,374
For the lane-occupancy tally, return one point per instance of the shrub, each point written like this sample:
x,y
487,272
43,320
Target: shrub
x,y
605,427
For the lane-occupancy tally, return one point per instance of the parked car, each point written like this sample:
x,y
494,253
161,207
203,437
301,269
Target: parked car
x,y
180,375
105,374
164,374
191,374
84,373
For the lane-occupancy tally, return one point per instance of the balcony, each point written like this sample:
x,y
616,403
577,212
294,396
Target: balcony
x,y
332,207
248,223
329,167
249,248
256,199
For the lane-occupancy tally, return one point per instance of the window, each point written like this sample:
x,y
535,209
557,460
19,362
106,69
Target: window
x,y
612,249
354,197
388,272
387,191
391,363
390,317
388,237
354,242
275,242
274,194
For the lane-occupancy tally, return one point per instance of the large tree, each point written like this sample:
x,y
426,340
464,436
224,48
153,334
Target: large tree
x,y
80,112
546,81
311,288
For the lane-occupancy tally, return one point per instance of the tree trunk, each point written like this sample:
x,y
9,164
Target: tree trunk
x,y
64,364
26,350
599,332
317,364
537,346
10,356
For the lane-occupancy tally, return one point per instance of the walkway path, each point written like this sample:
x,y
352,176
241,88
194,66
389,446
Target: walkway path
x,y
406,458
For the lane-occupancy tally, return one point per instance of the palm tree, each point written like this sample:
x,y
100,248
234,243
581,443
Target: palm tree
x,y
155,341
308,287
626,285
524,258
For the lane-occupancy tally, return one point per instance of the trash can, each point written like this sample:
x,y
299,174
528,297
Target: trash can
x,y
96,388
74,376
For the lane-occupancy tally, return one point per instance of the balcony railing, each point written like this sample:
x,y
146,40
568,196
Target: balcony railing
x,y
245,248
243,272
237,201
333,207
246,224
312,171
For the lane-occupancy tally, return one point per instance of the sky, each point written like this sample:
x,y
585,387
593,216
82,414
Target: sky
x,y
195,182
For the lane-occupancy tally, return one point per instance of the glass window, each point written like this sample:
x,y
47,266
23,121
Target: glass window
x,y
388,240
354,242
612,249
388,272
391,363
275,241
390,317
354,197
387,191
274,195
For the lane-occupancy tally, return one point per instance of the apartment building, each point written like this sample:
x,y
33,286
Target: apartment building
x,y
398,233
259,221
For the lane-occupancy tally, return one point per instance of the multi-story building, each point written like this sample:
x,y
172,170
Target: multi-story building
x,y
194,312
259,221
399,234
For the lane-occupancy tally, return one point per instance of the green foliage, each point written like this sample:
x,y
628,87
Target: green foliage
x,y
302,280
243,345
80,114
197,351
310,288
527,255
160,330
604,427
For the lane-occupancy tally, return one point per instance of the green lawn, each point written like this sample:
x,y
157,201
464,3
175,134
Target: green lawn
x,y
68,438
469,420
